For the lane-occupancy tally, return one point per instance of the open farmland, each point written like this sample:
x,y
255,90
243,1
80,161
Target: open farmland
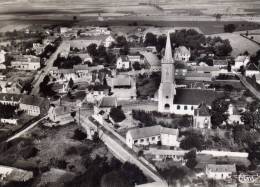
x,y
239,43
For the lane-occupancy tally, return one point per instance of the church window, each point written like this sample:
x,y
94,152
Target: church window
x,y
185,107
178,107
167,97
167,106
191,108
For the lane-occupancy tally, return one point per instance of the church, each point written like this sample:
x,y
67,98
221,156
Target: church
x,y
179,100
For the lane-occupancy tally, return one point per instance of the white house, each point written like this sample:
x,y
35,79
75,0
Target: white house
x,y
251,69
234,115
38,48
103,107
123,62
241,60
26,62
123,87
201,117
182,54
60,114
152,135
32,105
107,41
162,154
220,172
2,56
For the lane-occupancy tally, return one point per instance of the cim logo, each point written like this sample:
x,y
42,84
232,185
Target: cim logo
x,y
249,179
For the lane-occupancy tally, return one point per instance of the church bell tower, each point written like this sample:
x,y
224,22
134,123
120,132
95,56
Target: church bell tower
x,y
167,90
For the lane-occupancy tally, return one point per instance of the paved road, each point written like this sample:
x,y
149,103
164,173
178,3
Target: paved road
x,y
17,135
120,151
248,85
46,69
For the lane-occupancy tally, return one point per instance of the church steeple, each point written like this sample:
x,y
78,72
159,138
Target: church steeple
x,y
168,50
167,90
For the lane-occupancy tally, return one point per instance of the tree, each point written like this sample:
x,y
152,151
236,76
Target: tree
x,y
219,108
229,67
222,48
192,141
173,174
136,66
150,39
115,179
71,83
92,49
79,135
229,28
161,43
117,114
133,173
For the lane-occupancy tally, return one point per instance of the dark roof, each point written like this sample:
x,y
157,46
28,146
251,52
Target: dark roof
x,y
202,110
196,96
10,97
108,101
252,67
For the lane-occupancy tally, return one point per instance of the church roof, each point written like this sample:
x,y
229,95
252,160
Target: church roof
x,y
168,50
190,96
202,110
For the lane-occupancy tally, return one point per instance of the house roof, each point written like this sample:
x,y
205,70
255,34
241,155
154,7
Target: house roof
x,y
196,74
241,58
10,97
26,58
252,67
61,110
122,80
108,101
151,58
202,110
206,68
32,100
220,62
190,96
182,50
124,58
222,168
151,131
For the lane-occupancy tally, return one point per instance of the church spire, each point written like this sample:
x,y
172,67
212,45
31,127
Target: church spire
x,y
168,50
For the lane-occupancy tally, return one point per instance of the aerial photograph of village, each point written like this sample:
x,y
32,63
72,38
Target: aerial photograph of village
x,y
121,93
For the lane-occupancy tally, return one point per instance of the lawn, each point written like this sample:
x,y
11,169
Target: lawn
x,y
239,43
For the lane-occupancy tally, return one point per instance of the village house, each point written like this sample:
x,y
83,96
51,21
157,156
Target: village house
x,y
26,62
2,56
202,117
241,60
135,58
220,63
85,57
220,172
103,107
234,115
123,62
152,135
34,105
251,69
13,87
96,94
8,174
48,40
60,114
38,48
123,87
152,61
164,154
182,54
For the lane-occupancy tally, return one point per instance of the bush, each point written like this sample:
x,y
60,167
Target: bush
x,y
117,114
58,163
71,151
229,28
79,135
29,152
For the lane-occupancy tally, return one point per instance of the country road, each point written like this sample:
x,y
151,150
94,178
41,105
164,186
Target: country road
x,y
248,86
119,151
18,134
46,69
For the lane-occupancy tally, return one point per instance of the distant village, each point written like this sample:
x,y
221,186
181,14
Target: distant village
x,y
168,100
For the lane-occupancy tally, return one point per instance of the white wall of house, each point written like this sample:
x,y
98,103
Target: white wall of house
x,y
31,110
202,122
250,73
9,121
122,64
184,109
169,140
218,175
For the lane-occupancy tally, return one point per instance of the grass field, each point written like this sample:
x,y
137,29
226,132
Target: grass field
x,y
239,43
